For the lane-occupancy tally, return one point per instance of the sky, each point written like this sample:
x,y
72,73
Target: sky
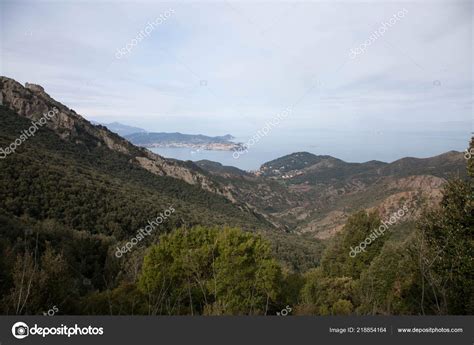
x,y
230,66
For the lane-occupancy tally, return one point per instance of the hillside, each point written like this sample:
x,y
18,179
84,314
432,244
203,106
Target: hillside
x,y
175,140
300,193
82,180
314,195
219,169
74,193
294,163
81,172
31,101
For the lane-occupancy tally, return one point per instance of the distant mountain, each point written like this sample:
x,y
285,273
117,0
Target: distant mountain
x,y
176,140
83,182
120,128
295,162
304,167
311,194
142,137
82,191
300,193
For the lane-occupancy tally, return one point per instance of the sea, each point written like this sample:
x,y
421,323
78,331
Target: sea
x,y
348,146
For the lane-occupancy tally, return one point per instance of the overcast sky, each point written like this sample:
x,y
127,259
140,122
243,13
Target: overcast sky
x,y
227,67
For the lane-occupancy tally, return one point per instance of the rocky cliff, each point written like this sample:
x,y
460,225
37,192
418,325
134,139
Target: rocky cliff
x,y
31,101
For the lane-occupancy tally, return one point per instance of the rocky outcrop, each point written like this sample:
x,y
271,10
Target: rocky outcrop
x,y
31,101
34,87
323,192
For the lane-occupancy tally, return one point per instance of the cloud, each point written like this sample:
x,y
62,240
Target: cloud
x,y
254,59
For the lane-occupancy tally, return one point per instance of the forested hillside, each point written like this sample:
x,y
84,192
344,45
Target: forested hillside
x,y
76,202
86,226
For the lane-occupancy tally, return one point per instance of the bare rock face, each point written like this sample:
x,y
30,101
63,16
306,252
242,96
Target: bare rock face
x,y
163,167
34,87
21,100
31,101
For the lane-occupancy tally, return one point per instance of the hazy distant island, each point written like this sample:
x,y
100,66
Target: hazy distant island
x,y
120,128
179,140
141,137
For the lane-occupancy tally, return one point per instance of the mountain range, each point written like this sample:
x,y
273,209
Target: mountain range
x,y
141,137
120,128
96,183
177,140
311,194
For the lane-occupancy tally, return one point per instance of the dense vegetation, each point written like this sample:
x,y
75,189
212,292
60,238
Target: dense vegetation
x,y
294,161
210,271
429,272
324,169
66,206
75,202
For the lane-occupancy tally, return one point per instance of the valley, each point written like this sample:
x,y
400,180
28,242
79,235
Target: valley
x,y
85,191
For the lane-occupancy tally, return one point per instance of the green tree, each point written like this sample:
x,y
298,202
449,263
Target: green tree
x,y
38,285
336,259
445,252
211,271
323,295
390,285
342,307
123,300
